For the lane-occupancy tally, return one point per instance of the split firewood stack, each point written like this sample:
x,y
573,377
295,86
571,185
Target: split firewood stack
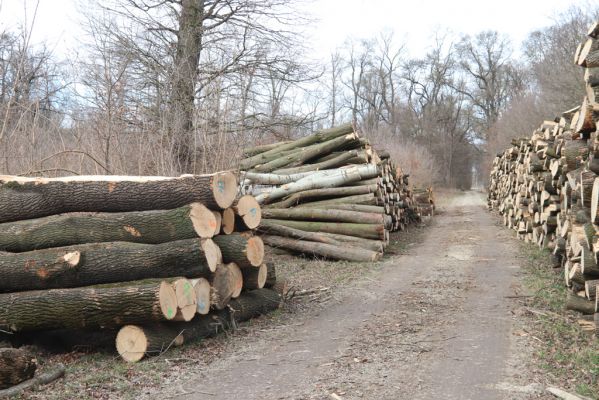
x,y
547,187
330,194
141,253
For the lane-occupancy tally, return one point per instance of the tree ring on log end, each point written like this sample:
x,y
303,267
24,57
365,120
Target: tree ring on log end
x,y
203,220
224,188
168,300
255,251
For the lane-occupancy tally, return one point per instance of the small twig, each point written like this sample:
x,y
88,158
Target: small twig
x,y
41,171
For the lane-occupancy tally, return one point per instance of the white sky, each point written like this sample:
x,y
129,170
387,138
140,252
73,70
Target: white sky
x,y
413,21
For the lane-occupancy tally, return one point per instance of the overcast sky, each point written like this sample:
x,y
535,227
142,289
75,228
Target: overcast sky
x,y
413,21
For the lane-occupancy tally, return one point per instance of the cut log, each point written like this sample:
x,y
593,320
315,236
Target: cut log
x,y
334,162
134,342
186,300
226,282
242,249
218,218
16,366
228,221
321,249
137,341
152,227
360,199
367,231
271,275
88,307
26,198
247,211
254,278
580,304
590,289
252,151
95,263
201,287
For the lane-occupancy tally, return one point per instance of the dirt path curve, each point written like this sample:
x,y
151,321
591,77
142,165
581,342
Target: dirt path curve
x,y
433,324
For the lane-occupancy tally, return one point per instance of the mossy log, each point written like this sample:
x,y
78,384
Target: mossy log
x,y
88,307
317,214
16,366
151,227
96,263
310,195
26,198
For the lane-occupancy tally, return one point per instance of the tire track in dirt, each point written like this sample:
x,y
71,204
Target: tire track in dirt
x,y
432,324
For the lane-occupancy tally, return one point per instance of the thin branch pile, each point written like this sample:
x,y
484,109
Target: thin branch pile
x,y
331,194
547,187
142,255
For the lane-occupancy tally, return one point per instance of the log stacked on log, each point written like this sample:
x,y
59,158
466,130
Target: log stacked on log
x,y
110,251
331,194
547,188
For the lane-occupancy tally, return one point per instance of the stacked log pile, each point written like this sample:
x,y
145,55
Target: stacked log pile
x,y
547,187
95,252
331,194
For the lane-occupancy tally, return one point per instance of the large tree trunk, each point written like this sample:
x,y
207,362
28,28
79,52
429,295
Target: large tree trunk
x,y
26,198
95,263
88,307
322,249
242,249
135,342
367,231
248,213
580,304
254,278
181,105
155,226
16,366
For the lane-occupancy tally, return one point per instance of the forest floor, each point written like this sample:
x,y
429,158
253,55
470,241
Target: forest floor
x,y
458,309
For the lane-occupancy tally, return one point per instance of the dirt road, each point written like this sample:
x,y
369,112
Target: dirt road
x,y
433,324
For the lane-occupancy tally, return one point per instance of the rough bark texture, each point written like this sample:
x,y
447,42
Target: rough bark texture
x,y
152,227
580,304
95,263
16,366
26,198
254,278
89,307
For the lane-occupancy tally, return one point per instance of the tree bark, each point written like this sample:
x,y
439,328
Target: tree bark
x,y
152,227
88,307
580,304
95,263
360,199
16,366
26,198
322,249
334,162
242,249
299,197
319,137
367,231
317,214
317,181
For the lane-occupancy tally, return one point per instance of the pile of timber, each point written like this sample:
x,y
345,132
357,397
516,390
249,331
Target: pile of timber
x,y
331,194
131,253
547,187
